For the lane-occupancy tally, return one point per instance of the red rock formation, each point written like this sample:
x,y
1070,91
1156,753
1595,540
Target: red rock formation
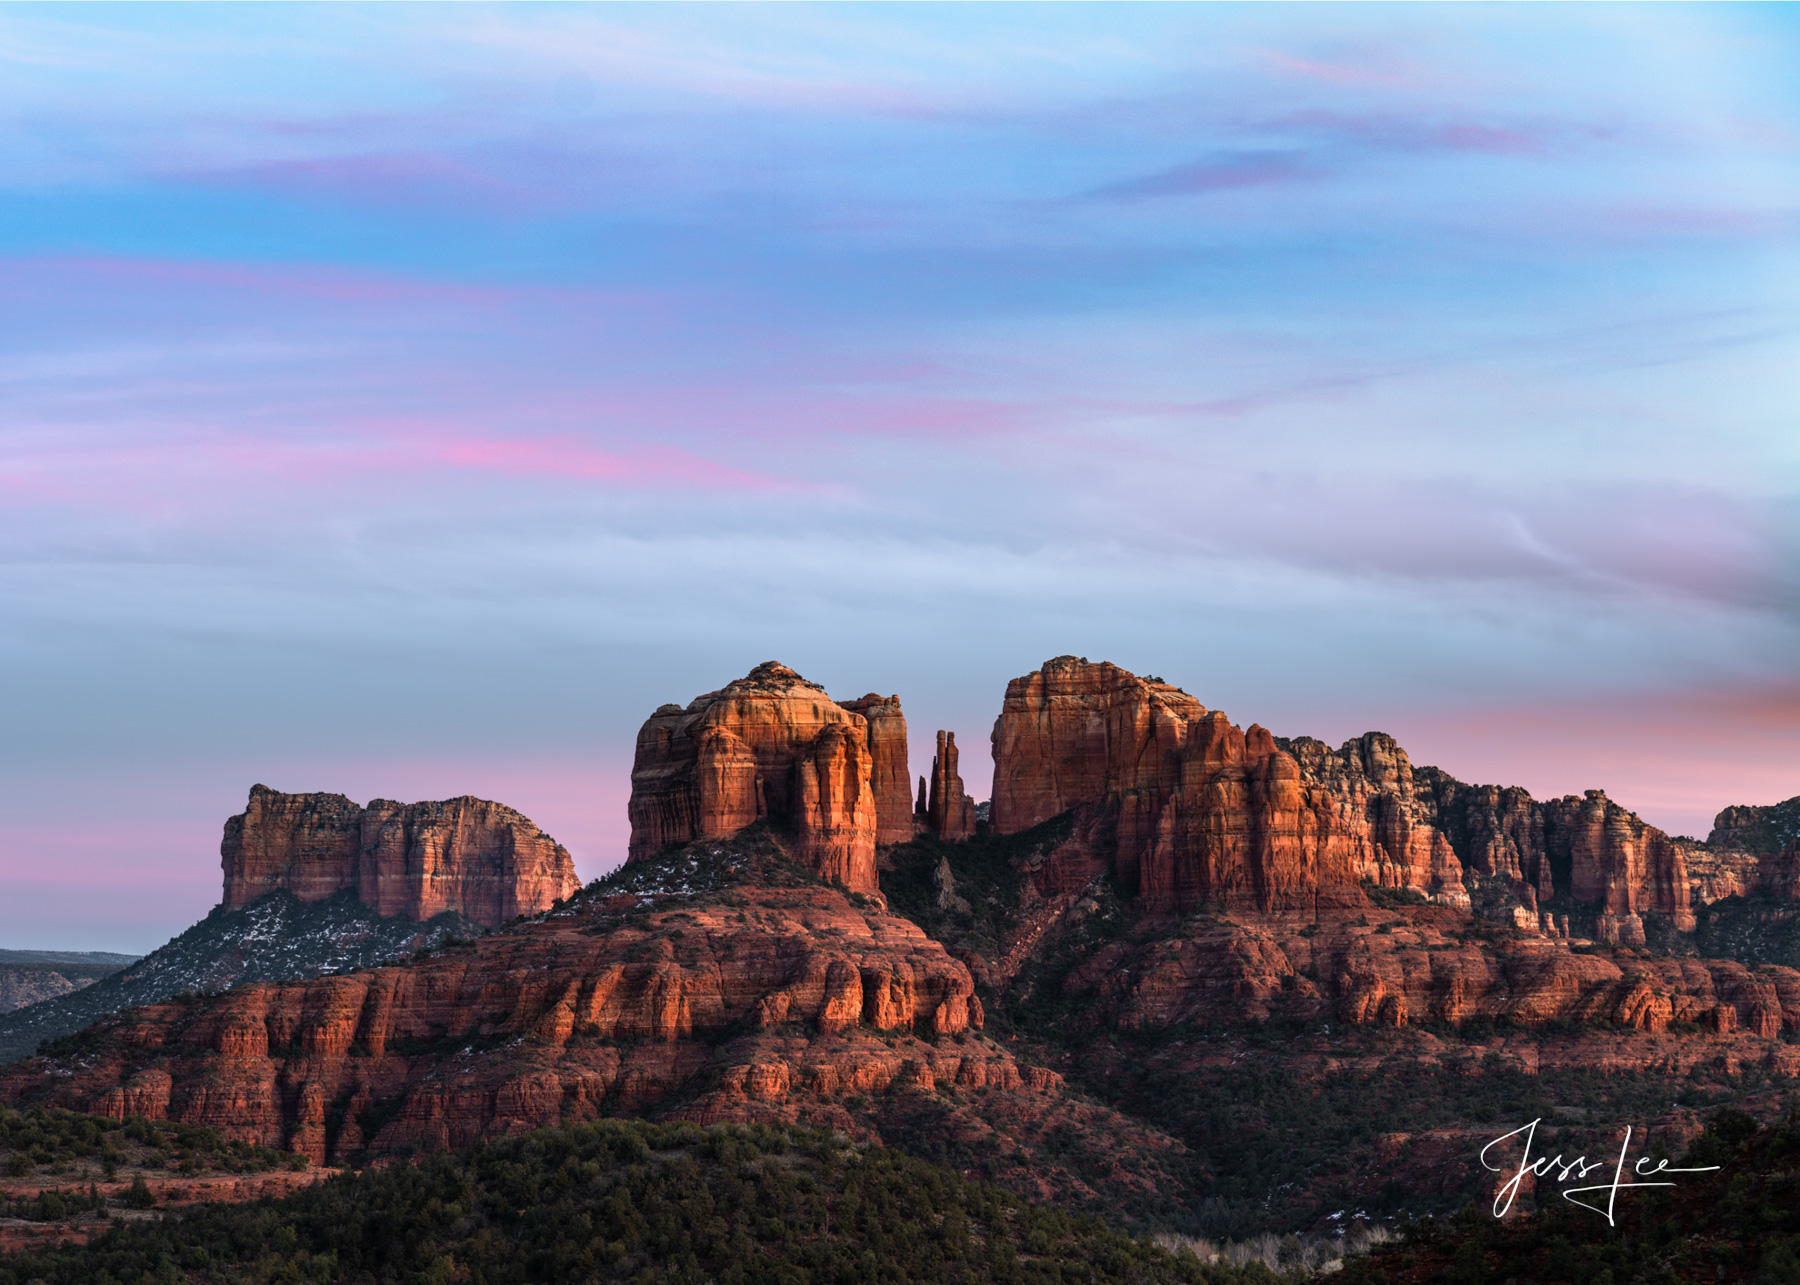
x,y
770,996
1415,966
1188,810
890,777
1384,827
480,859
1200,812
1758,829
1073,732
771,745
949,811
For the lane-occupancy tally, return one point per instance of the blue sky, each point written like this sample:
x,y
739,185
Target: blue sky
x,y
406,400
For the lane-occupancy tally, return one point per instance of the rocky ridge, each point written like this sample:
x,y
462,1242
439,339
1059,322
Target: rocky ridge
x,y
772,747
1191,811
1156,890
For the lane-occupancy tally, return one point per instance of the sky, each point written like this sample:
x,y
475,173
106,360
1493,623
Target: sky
x,y
405,401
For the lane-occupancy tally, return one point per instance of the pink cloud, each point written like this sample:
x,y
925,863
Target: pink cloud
x,y
1345,74
336,284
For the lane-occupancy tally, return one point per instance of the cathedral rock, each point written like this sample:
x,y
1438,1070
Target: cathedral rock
x,y
467,855
773,746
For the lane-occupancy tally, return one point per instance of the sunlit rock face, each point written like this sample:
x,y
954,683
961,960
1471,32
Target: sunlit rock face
x,y
1189,810
770,746
1198,811
773,1000
468,856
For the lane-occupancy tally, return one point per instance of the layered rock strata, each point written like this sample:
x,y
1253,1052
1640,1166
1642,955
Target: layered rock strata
x,y
1421,966
1196,811
766,999
465,856
1188,810
772,746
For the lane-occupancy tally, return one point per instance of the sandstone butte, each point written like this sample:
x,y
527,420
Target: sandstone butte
x,y
480,859
773,746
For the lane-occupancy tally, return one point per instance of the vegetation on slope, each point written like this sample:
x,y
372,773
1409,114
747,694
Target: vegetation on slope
x,y
1741,1223
1285,1122
629,1201
50,1145
275,938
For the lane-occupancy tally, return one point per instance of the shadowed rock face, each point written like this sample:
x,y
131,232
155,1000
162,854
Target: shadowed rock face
x,y
478,859
770,746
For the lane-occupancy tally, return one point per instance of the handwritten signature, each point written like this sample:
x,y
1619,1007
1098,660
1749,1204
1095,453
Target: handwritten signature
x,y
1579,1167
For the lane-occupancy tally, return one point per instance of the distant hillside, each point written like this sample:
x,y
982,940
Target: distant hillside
x,y
274,939
31,976
96,958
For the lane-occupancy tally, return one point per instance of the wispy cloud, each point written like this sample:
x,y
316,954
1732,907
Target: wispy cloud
x,y
1438,358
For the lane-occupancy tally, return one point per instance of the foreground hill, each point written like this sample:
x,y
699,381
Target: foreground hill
x,y
629,1201
718,982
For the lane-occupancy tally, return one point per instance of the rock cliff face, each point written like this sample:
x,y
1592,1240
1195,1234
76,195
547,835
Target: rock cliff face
x,y
1758,829
464,856
1189,810
771,746
890,777
1074,733
1197,811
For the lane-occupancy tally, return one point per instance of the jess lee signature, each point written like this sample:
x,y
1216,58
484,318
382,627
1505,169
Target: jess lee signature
x,y
1579,1167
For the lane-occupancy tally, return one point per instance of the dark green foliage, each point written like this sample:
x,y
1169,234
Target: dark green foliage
x,y
54,1142
1741,1223
630,1201
140,1196
1281,1147
1758,929
988,869
1391,898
